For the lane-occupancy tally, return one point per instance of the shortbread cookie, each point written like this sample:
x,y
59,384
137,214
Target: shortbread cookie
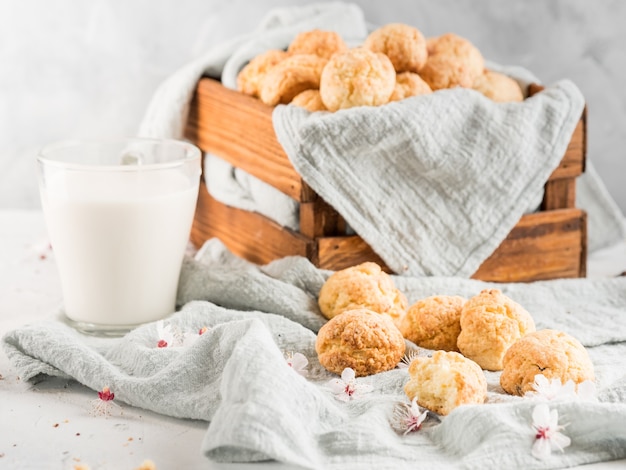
x,y
498,87
251,76
403,44
362,340
552,353
409,84
452,61
444,381
321,43
490,323
309,100
358,77
290,77
434,322
362,286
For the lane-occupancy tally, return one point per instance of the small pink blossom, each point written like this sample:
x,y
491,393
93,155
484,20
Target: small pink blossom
x,y
104,404
408,417
347,388
547,432
165,335
298,362
203,330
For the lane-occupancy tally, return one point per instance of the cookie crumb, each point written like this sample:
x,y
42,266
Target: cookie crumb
x,y
147,465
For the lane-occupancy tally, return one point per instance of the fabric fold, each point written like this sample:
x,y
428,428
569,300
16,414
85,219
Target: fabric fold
x,y
433,183
235,375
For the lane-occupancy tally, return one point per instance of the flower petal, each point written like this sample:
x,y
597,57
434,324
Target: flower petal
x,y
299,361
541,449
541,416
587,391
337,386
559,441
348,375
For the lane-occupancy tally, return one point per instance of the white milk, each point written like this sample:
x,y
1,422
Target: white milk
x,y
119,240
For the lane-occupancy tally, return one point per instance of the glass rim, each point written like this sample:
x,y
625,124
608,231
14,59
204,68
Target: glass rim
x,y
192,153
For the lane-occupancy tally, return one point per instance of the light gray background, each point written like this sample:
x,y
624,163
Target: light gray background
x,y
76,68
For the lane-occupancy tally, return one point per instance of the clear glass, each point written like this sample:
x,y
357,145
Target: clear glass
x,y
119,215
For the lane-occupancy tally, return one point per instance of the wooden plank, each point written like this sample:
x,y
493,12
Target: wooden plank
x,y
247,234
238,128
573,161
342,252
559,194
544,245
319,219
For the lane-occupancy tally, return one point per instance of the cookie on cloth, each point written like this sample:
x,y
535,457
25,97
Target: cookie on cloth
x,y
490,323
403,44
452,61
498,87
309,100
434,322
290,77
409,84
321,43
362,340
444,381
357,77
362,286
553,353
251,77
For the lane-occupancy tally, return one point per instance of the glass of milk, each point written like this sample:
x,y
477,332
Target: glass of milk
x,y
119,215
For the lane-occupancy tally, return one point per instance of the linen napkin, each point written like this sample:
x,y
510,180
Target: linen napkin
x,y
433,183
235,375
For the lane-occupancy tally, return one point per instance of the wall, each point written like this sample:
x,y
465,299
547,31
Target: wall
x,y
72,69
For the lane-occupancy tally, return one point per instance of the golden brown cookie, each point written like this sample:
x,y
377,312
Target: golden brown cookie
x,y
321,43
444,381
552,353
452,61
362,286
409,84
498,87
357,77
490,323
309,100
290,77
403,44
362,340
434,322
251,76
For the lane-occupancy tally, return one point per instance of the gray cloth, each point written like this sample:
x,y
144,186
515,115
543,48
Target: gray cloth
x,y
235,375
433,183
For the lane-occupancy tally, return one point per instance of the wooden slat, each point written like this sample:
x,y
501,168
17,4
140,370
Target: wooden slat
x,y
559,194
247,234
238,128
543,245
319,219
341,252
573,162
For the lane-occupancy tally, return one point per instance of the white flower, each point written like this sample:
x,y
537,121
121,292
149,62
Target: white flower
x,y
408,418
298,362
556,390
547,435
104,404
165,335
347,388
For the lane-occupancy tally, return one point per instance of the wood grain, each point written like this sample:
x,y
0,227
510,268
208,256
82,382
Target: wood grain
x,y
247,234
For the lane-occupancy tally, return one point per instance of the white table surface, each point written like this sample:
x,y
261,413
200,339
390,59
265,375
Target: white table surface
x,y
48,426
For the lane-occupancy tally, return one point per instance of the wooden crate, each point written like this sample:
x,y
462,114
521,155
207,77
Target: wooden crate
x,y
550,243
